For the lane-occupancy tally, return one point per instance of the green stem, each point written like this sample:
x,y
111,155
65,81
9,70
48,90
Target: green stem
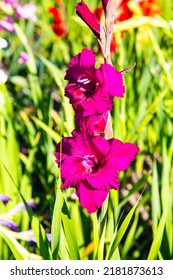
x,y
102,228
95,235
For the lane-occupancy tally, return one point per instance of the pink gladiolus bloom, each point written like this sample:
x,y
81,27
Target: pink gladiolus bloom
x,y
91,165
91,125
88,17
27,11
6,24
12,3
23,59
91,91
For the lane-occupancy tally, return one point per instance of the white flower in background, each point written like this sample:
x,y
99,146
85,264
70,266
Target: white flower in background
x,y
3,43
3,77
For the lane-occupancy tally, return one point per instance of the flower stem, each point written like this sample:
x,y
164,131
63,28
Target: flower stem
x,y
102,229
95,235
105,44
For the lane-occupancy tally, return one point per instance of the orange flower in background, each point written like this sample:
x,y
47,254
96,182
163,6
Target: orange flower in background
x,y
149,7
59,27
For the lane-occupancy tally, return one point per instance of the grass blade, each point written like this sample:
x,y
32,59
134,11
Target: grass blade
x,y
56,224
154,250
120,233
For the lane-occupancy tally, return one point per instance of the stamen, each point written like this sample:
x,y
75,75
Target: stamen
x,y
83,79
89,162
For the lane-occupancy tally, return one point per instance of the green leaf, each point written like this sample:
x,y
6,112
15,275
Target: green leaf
x,y
118,235
39,232
56,224
19,252
22,37
154,250
68,110
55,136
70,234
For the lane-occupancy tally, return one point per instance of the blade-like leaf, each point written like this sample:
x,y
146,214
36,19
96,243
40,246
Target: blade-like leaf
x,y
120,233
69,234
56,224
19,252
154,250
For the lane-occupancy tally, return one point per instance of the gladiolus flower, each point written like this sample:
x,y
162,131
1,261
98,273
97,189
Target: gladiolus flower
x,y
88,17
27,11
91,165
6,24
91,91
23,59
91,125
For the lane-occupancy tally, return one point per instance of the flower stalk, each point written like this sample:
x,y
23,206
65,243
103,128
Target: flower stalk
x,y
91,158
109,7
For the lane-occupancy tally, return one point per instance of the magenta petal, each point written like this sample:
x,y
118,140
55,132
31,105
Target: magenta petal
x,y
88,17
105,178
90,198
72,172
75,94
121,154
92,125
100,145
97,104
63,149
84,59
113,81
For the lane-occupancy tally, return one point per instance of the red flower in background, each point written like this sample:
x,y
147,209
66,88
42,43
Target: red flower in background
x,y
126,9
59,26
150,7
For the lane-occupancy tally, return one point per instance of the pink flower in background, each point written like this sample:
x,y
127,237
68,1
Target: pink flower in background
x,y
6,24
91,91
91,165
12,3
27,11
23,59
88,17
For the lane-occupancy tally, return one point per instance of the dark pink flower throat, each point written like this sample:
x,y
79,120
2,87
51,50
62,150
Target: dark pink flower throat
x,y
90,163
